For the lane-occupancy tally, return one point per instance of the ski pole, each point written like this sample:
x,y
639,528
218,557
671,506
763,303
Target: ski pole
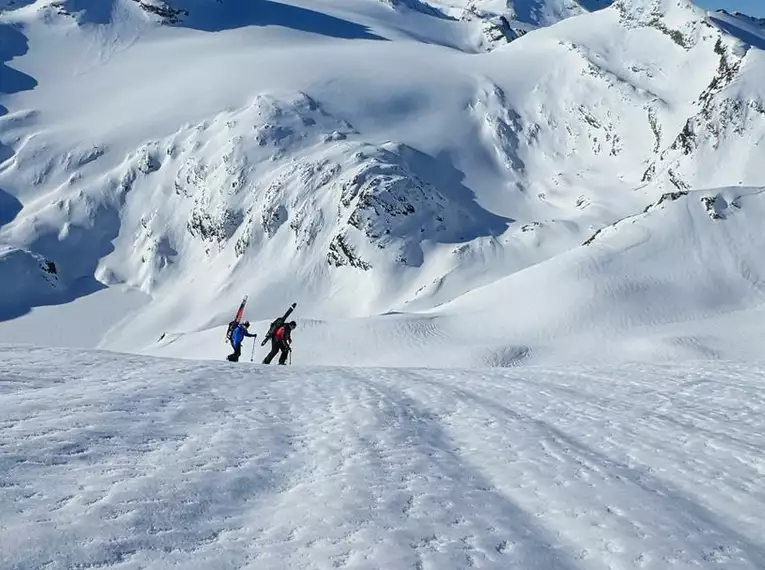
x,y
252,355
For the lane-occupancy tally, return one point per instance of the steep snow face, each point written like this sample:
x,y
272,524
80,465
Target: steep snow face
x,y
730,117
637,79
280,177
282,164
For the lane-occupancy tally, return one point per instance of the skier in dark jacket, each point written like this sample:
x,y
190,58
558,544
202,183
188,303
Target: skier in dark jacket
x,y
281,340
236,340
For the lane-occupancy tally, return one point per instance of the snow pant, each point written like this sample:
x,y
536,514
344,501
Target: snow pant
x,y
276,346
234,357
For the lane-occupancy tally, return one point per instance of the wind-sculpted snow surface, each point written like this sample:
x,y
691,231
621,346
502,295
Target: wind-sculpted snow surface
x,y
123,462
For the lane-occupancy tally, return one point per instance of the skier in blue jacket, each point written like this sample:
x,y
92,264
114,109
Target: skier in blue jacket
x,y
236,340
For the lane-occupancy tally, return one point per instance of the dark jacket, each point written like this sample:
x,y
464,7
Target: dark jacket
x,y
283,334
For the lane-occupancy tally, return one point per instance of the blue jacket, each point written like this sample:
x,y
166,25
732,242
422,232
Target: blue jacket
x,y
238,335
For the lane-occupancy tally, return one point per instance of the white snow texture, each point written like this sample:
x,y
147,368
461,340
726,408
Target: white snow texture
x,y
524,238
130,462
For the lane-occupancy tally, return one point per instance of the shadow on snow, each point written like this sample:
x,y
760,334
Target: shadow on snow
x,y
745,36
9,205
220,15
270,13
80,288
12,44
76,258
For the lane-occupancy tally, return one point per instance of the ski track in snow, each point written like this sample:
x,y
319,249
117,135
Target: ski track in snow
x,y
115,461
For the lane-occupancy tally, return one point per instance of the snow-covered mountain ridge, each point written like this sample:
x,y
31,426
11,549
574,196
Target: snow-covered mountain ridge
x,y
358,157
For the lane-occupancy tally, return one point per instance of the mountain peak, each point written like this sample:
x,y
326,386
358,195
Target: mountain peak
x,y
649,10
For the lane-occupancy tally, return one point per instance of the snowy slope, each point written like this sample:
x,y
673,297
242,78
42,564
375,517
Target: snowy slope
x,y
684,279
124,462
360,158
439,201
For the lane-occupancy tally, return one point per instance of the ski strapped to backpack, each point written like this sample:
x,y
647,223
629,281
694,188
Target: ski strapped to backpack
x,y
237,319
276,323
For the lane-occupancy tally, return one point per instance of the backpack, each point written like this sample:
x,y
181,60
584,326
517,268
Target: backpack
x,y
231,326
275,325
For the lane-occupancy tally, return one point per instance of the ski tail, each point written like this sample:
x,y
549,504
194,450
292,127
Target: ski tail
x,y
276,323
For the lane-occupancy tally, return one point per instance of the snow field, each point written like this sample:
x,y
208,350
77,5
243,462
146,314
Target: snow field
x,y
117,461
